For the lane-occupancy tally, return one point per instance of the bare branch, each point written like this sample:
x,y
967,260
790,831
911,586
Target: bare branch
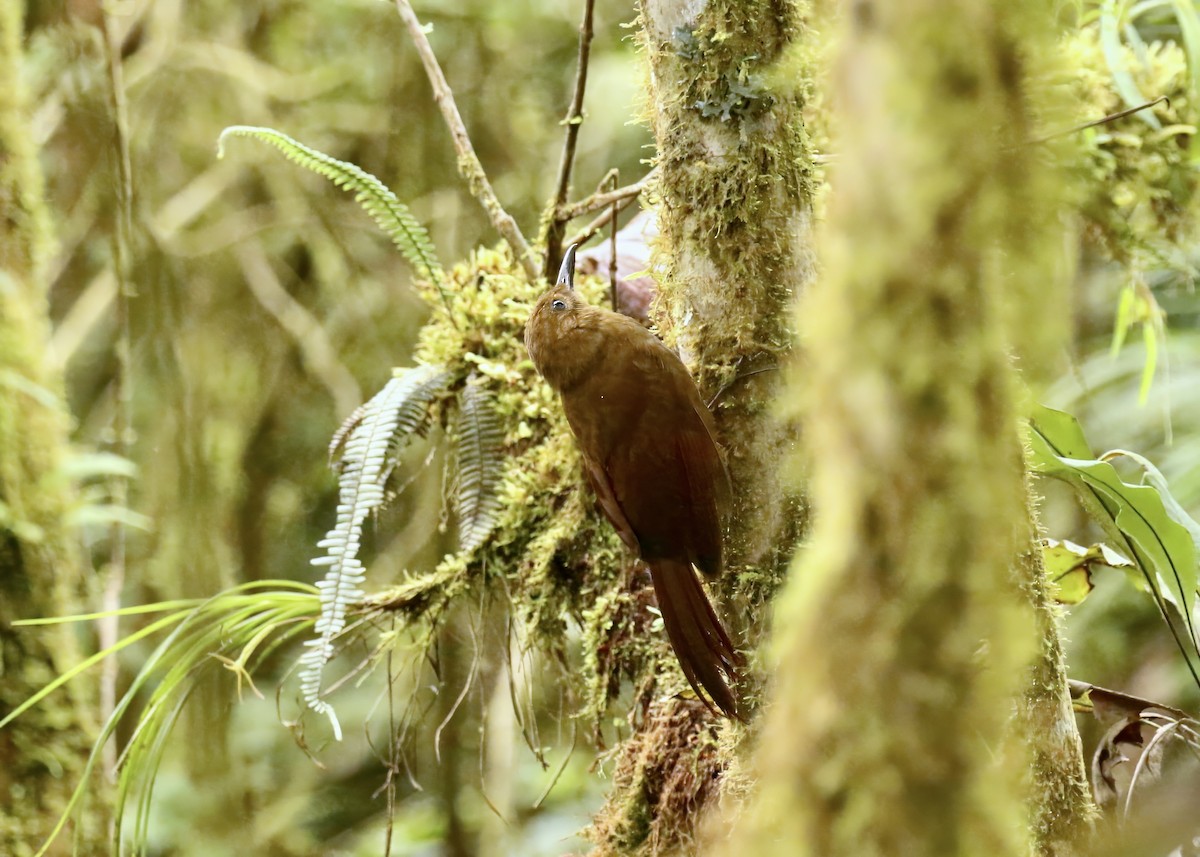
x,y
619,204
469,166
597,201
558,221
109,629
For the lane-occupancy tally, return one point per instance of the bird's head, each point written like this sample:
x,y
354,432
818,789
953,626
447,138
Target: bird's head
x,y
555,317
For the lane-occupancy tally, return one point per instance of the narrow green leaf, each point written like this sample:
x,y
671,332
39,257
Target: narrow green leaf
x,y
1123,320
84,665
1114,57
1150,338
89,465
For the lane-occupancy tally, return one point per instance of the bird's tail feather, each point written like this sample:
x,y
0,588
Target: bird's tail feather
x,y
700,642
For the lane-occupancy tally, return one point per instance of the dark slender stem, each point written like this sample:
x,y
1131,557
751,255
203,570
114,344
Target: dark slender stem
x,y
1112,117
558,223
469,166
614,177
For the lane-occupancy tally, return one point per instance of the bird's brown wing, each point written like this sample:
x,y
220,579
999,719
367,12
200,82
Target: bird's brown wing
x,y
701,469
609,505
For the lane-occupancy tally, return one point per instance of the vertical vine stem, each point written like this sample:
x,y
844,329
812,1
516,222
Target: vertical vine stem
x,y
469,166
558,222
614,179
108,628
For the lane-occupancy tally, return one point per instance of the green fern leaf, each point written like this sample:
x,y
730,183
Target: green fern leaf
x,y
480,464
373,195
365,468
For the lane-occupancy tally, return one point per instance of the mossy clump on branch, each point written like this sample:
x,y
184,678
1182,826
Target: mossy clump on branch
x,y
1139,182
549,553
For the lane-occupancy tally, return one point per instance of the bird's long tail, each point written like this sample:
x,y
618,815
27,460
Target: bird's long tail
x,y
700,642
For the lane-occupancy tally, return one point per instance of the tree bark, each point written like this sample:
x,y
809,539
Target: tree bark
x,y
734,213
42,753
735,204
910,621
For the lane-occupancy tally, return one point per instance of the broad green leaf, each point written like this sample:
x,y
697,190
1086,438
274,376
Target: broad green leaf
x,y
1134,517
1069,567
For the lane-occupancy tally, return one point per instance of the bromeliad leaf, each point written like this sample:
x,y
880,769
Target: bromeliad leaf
x,y
480,464
1136,518
365,467
374,196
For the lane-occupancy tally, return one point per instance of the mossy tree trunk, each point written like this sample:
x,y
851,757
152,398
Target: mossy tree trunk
x,y
909,624
41,753
734,212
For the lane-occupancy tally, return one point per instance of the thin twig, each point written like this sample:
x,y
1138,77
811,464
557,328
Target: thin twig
x,y
469,166
1112,117
600,200
317,352
584,234
558,222
831,157
612,257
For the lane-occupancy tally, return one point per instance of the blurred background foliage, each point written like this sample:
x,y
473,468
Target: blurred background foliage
x,y
268,306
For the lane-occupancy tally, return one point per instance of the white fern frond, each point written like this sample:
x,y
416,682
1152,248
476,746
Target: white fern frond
x,y
365,464
480,465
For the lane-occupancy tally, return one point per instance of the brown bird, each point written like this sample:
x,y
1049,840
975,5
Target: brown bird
x,y
649,454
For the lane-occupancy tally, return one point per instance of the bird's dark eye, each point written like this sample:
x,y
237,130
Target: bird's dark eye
x,y
558,305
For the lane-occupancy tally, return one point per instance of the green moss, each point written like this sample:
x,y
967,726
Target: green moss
x,y
1138,183
669,770
42,753
735,170
550,552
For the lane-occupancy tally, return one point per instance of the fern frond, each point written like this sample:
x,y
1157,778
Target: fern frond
x,y
365,466
414,416
480,464
348,425
376,199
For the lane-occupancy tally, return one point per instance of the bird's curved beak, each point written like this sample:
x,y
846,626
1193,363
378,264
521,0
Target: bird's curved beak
x,y
566,274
